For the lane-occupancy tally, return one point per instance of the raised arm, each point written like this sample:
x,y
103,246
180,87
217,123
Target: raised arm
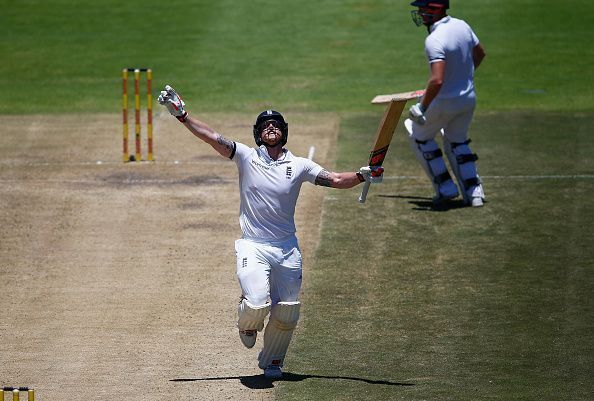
x,y
338,180
348,180
203,131
176,106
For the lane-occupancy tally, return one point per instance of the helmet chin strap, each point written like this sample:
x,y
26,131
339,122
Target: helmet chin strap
x,y
433,21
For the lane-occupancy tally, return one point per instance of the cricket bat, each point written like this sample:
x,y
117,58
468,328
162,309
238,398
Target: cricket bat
x,y
397,97
396,103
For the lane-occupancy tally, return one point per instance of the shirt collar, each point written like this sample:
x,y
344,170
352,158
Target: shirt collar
x,y
266,157
443,20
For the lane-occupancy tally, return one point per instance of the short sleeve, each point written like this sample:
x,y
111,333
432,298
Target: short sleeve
x,y
475,39
434,50
311,170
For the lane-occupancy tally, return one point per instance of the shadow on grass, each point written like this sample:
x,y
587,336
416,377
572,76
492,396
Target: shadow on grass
x,y
261,382
426,204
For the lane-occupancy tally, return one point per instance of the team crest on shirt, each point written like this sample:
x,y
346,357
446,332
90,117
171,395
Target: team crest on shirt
x,y
289,172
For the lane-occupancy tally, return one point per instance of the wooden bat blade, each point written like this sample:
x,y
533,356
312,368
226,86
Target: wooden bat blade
x,y
396,97
385,133
383,138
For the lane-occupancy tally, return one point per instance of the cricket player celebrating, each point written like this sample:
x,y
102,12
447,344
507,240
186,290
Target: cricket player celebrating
x,y
268,255
454,52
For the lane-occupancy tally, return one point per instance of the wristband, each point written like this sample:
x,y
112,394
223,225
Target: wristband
x,y
182,118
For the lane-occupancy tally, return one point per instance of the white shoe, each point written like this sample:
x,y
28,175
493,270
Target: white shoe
x,y
477,201
273,372
248,337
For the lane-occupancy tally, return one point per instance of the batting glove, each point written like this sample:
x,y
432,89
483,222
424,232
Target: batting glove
x,y
174,103
417,114
372,174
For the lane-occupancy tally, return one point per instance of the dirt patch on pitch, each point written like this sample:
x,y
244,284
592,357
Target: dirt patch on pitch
x,y
119,279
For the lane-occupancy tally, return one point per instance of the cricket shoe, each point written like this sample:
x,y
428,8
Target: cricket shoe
x,y
248,337
476,201
273,372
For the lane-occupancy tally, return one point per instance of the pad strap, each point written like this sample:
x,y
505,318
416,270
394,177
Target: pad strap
x,y
433,154
471,182
440,179
461,159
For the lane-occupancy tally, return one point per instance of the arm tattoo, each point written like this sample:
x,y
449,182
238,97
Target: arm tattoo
x,y
225,142
324,179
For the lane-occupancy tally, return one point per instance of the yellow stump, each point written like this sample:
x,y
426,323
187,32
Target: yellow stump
x,y
149,108
15,395
125,113
137,114
31,395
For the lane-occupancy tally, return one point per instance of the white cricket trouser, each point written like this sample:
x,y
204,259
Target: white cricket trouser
x,y
453,115
269,270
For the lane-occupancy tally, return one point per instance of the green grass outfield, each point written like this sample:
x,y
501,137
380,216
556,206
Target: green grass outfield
x,y
403,302
327,55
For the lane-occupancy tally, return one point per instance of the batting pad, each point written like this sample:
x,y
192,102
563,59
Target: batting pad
x,y
463,164
430,157
251,317
278,333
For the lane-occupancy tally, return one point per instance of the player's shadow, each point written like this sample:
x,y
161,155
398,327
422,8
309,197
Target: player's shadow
x,y
426,204
261,382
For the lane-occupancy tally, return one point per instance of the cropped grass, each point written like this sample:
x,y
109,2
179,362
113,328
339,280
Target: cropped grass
x,y
403,302
60,57
410,303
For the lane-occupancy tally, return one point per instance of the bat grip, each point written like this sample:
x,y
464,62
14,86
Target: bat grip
x,y
363,195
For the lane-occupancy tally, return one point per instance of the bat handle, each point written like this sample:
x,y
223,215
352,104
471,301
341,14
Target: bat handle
x,y
363,195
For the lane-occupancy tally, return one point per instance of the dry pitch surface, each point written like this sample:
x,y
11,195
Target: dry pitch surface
x,y
118,280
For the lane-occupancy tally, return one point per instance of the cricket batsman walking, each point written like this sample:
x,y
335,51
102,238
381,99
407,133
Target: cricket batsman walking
x,y
454,53
268,255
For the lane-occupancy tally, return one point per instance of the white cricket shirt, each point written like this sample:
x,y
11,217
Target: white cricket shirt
x,y
452,40
269,190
